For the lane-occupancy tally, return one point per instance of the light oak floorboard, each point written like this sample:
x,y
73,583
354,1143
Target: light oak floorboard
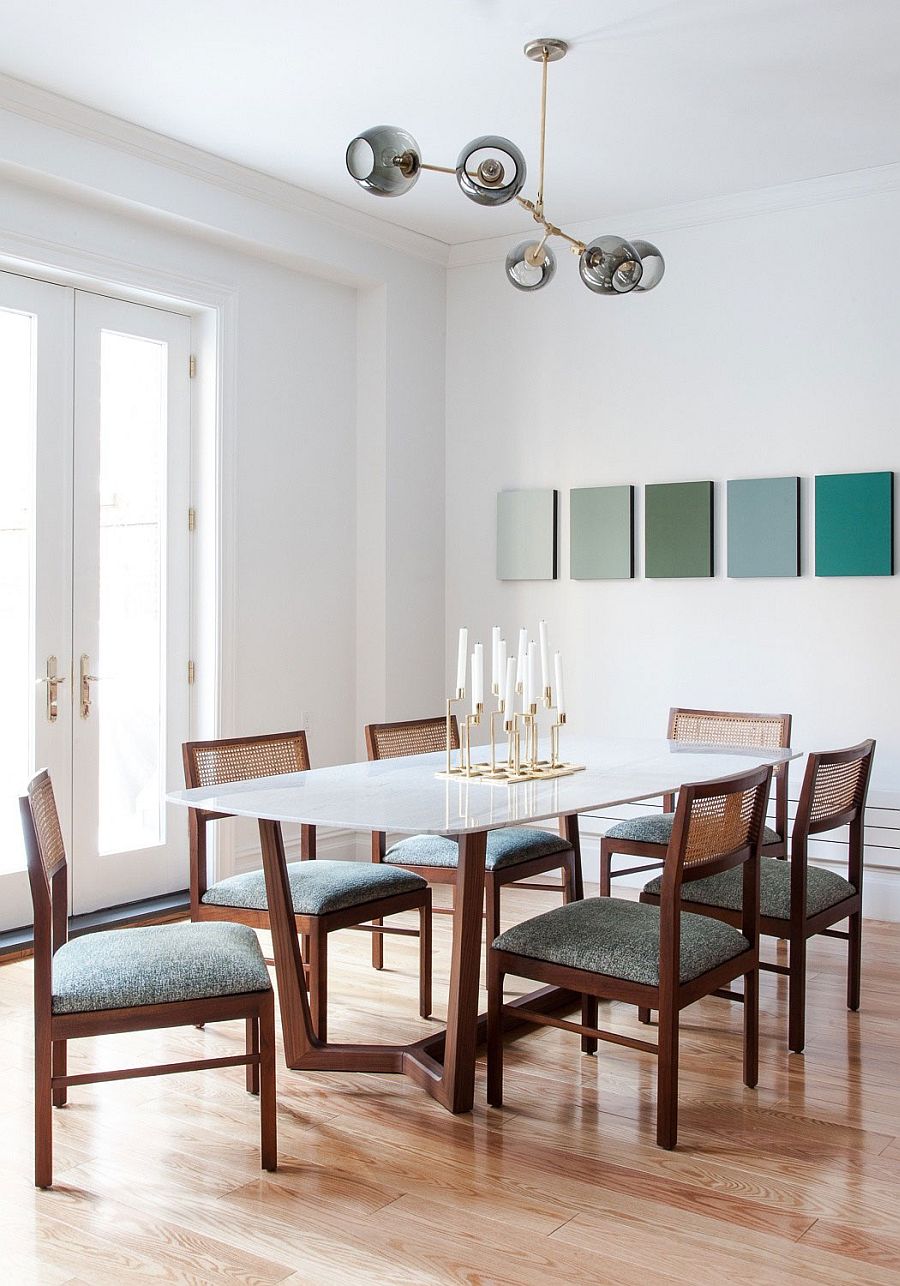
x,y
159,1180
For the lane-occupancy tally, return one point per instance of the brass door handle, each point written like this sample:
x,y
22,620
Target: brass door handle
x,y
86,680
52,680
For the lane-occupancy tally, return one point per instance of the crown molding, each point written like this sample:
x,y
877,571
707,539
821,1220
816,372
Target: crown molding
x,y
47,108
802,193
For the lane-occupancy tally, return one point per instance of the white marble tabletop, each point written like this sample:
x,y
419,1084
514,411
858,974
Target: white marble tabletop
x,y
404,796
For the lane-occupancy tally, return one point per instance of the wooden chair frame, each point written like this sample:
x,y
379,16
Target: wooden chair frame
x,y
671,995
801,926
48,877
431,734
641,848
313,929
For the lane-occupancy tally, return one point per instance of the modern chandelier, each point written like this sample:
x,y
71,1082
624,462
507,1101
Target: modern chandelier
x,y
386,161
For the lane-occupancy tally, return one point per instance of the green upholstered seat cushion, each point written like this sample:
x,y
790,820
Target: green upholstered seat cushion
x,y
656,828
823,889
505,847
122,968
620,939
317,887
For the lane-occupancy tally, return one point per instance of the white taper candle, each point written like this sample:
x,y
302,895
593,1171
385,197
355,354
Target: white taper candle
x,y
462,657
560,690
531,692
496,672
521,677
477,677
509,700
545,656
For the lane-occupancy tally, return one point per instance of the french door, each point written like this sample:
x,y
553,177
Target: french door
x,y
94,584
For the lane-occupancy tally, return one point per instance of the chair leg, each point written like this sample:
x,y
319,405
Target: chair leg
x,y
491,908
252,1025
268,1125
589,1009
318,981
751,1028
605,869
378,947
667,1078
60,1065
643,1015
495,1034
797,995
43,1111
425,998
854,960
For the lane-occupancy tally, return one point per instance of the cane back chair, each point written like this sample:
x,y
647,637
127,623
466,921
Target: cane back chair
x,y
327,895
798,901
513,853
647,836
169,975
656,957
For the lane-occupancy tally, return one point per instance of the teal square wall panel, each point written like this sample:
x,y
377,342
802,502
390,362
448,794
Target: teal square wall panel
x,y
855,524
678,529
764,527
601,533
527,534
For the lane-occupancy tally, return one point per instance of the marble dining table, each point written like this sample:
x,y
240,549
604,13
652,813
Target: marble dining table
x,y
405,796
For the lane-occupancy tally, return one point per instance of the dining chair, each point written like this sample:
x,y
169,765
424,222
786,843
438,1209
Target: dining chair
x,y
648,835
327,895
123,980
514,853
656,957
798,901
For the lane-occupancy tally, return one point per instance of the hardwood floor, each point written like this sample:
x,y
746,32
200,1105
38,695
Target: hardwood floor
x,y
798,1180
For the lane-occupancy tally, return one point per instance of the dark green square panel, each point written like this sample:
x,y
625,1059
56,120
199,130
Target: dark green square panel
x,y
601,533
855,524
764,527
678,529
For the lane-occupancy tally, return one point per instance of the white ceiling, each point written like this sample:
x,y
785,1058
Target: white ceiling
x,y
656,103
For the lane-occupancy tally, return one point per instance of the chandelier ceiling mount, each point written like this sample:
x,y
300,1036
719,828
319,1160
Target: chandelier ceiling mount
x,y
490,170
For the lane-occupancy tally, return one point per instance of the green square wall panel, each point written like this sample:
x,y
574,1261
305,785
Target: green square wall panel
x,y
527,534
764,527
601,533
855,524
678,529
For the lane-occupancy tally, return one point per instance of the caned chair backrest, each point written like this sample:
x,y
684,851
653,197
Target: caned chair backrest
x,y
834,790
737,728
215,763
410,737
45,854
718,825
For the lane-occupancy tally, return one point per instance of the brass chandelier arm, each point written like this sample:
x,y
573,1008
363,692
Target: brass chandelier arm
x,y
539,202
550,228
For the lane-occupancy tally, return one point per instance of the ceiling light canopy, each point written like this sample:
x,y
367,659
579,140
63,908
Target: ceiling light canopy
x,y
491,170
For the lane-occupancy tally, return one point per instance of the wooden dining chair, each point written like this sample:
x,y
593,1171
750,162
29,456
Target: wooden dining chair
x,y
647,836
327,895
798,901
514,853
656,957
169,975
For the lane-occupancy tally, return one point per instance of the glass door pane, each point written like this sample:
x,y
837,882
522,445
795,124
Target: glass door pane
x,y
35,561
132,580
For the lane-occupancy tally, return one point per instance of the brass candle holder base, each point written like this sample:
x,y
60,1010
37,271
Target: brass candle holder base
x,y
501,773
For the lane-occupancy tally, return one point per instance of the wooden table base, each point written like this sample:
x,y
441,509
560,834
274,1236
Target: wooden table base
x,y
443,1063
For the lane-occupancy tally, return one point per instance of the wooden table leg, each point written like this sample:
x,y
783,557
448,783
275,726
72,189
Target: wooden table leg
x,y
572,834
293,998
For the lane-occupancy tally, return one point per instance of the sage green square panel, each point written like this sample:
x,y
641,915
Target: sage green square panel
x,y
526,535
678,529
764,527
855,524
601,533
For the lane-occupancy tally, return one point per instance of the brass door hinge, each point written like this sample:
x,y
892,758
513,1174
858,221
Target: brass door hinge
x,y
192,366
191,672
192,519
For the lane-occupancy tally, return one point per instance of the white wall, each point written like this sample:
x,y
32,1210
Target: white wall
x,y
332,392
770,348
